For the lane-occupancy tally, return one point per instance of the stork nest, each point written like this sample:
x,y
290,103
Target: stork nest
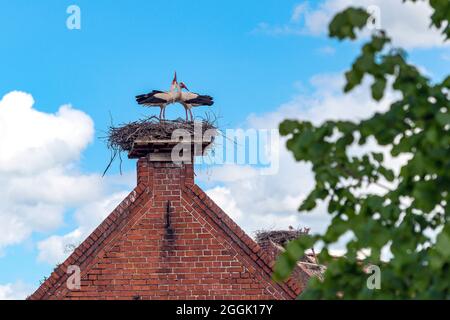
x,y
121,138
281,237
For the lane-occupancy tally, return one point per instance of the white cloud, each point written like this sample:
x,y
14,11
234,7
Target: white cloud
x,y
38,156
31,140
231,172
271,202
324,102
15,291
223,198
298,11
55,249
91,214
407,23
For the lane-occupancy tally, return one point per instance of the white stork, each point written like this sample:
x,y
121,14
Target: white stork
x,y
161,99
189,100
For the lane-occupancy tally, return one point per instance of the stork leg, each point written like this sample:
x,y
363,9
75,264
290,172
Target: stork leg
x,y
192,116
164,112
186,110
160,114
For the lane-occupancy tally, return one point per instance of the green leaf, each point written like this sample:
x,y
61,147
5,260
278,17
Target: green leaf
x,y
443,119
443,244
344,24
288,127
446,82
387,173
378,156
378,88
354,78
427,195
287,261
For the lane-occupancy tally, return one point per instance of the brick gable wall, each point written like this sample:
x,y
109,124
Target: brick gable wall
x,y
168,241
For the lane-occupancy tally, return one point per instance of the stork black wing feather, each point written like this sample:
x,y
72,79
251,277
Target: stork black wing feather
x,y
201,100
151,100
149,97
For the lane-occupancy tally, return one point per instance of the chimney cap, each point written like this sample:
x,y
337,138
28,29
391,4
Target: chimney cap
x,y
158,147
151,136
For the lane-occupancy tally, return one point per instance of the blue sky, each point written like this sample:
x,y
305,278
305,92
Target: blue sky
x,y
125,48
253,57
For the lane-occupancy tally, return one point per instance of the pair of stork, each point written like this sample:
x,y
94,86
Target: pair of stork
x,y
175,94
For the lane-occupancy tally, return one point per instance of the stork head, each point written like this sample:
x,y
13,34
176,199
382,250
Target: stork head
x,y
183,86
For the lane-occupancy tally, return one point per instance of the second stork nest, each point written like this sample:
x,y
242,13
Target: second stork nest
x,y
280,237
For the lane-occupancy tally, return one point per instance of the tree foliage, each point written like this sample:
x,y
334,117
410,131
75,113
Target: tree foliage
x,y
406,211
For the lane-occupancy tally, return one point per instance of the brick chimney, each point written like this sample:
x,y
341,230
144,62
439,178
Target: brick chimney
x,y
167,240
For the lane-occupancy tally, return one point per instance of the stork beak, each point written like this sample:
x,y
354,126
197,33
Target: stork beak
x,y
175,78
